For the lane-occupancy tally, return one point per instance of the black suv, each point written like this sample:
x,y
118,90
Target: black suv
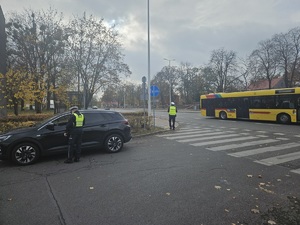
x,y
103,128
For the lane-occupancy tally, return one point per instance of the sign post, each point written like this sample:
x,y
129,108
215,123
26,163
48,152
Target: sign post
x,y
144,92
154,92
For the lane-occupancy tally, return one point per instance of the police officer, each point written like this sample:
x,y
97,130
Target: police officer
x,y
172,110
74,130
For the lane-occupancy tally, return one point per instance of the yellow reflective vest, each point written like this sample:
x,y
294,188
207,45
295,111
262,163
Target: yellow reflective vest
x,y
172,110
79,120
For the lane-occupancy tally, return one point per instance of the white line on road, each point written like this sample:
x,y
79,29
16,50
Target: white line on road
x,y
246,144
223,141
186,134
265,149
279,159
296,171
212,136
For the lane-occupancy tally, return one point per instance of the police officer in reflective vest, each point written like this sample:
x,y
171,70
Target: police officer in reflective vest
x,y
172,110
74,130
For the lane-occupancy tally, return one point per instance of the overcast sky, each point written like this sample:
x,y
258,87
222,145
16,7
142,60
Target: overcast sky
x,y
184,30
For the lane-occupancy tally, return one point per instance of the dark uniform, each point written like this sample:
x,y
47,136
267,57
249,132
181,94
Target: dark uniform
x,y
74,130
172,110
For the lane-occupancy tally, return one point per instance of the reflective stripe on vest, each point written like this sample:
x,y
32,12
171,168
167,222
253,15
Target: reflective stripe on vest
x,y
172,111
79,120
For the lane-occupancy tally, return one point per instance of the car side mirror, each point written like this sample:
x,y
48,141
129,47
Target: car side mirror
x,y
50,126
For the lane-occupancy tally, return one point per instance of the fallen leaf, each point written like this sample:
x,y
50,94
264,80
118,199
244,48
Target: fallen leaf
x,y
218,187
255,211
259,176
266,190
91,188
226,210
168,193
9,199
249,176
278,180
228,189
271,222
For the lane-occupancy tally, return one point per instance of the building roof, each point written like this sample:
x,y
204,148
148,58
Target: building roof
x,y
264,84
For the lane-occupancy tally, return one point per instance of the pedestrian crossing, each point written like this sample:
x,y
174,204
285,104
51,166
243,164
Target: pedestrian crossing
x,y
263,147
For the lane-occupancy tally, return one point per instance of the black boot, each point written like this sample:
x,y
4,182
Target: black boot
x,y
68,161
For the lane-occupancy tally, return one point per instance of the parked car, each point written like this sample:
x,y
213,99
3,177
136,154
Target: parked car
x,y
103,129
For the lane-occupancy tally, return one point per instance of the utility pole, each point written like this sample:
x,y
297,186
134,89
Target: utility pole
x,y
169,68
149,91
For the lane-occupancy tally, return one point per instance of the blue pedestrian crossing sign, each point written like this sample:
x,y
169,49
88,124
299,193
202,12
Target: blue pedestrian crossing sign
x,y
154,91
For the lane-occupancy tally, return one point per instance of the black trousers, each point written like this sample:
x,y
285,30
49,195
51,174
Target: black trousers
x,y
172,121
75,140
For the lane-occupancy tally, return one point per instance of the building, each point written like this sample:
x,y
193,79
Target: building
x,y
264,84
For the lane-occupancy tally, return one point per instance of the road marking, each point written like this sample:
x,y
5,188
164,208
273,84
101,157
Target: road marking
x,y
246,144
283,139
279,159
265,149
261,135
224,141
212,136
185,134
195,135
296,171
280,134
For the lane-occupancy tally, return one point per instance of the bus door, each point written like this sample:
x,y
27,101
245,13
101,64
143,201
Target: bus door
x,y
242,110
298,109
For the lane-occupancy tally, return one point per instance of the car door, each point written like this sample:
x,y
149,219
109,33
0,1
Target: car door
x,y
52,135
94,130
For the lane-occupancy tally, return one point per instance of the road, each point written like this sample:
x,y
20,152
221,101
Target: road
x,y
197,174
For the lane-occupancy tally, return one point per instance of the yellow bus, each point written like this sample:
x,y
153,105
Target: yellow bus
x,y
281,105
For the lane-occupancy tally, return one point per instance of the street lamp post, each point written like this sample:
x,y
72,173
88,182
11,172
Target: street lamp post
x,y
149,91
170,91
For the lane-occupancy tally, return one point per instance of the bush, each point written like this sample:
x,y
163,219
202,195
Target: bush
x,y
13,122
137,121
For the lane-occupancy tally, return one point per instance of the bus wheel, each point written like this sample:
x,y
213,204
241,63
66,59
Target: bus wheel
x,y
223,115
283,118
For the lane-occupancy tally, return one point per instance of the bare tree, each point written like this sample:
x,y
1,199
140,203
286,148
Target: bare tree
x,y
287,47
223,64
95,52
190,83
265,62
167,80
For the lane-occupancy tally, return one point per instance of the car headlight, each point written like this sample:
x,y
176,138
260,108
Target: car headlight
x,y
4,137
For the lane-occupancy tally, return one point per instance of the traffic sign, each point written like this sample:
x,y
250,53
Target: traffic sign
x,y
154,91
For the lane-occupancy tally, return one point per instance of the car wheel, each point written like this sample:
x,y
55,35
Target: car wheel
x,y
284,118
223,115
114,143
25,154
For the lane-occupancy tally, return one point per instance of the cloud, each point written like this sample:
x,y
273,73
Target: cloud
x,y
187,31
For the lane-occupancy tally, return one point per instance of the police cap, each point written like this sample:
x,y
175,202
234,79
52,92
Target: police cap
x,y
73,108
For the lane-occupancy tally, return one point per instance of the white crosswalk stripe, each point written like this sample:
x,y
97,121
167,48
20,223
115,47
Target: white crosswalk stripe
x,y
239,144
279,159
296,171
223,141
246,144
265,149
203,137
